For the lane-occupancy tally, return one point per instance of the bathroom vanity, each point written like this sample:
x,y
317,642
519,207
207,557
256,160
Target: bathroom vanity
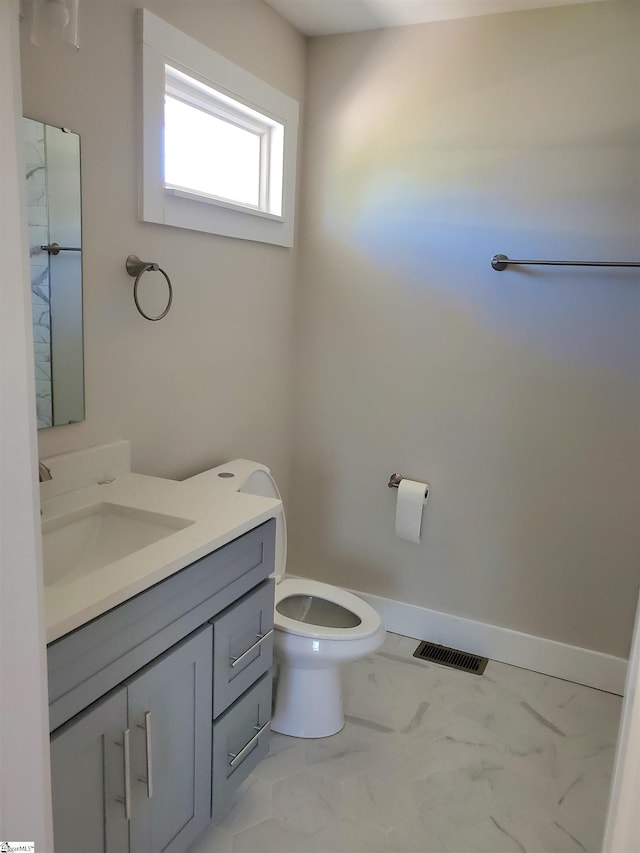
x,y
160,705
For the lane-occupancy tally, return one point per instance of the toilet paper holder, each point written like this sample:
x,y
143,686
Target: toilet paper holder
x,y
394,482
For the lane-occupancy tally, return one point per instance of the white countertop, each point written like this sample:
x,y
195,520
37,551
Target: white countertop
x,y
219,515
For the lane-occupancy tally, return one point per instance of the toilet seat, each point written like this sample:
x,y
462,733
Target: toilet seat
x,y
369,619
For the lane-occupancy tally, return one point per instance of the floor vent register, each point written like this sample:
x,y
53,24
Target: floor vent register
x,y
454,658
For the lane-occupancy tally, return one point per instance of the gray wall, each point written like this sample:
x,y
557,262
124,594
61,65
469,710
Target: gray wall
x,y
516,394
212,380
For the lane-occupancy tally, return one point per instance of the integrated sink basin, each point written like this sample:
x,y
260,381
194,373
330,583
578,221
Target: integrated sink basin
x,y
90,538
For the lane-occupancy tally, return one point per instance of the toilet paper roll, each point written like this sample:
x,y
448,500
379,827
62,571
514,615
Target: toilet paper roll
x,y
412,496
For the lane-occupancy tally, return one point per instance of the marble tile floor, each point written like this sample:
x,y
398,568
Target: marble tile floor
x,y
433,760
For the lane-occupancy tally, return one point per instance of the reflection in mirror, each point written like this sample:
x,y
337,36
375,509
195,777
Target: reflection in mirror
x,y
52,162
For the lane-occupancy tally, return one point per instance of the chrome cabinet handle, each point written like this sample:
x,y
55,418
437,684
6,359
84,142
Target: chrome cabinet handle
x,y
147,737
261,638
127,777
236,757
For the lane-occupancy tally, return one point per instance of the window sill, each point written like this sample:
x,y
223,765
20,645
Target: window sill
x,y
204,198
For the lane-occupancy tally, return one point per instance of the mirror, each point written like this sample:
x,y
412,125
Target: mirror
x,y
52,163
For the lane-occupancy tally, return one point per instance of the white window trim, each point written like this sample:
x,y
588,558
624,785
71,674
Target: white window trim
x,y
163,45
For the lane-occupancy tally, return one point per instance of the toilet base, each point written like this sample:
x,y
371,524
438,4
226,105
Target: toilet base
x,y
308,702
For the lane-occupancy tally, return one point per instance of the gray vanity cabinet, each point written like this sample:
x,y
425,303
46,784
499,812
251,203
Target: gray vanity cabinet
x,y
133,773
161,699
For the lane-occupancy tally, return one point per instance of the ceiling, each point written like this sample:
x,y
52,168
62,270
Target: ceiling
x,y
327,17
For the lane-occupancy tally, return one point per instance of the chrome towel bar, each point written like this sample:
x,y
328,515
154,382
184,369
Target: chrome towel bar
x,y
56,248
501,262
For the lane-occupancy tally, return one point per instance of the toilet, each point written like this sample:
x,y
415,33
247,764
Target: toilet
x,y
317,627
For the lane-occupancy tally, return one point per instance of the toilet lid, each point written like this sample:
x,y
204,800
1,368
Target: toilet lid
x,y
260,482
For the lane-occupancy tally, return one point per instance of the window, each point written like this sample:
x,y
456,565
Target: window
x,y
218,148
219,145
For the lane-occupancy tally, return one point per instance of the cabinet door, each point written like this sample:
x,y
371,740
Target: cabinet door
x,y
170,723
88,780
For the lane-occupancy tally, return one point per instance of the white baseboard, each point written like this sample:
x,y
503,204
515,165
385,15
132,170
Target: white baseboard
x,y
595,669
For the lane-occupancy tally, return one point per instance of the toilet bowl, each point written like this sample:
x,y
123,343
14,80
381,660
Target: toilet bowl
x,y
317,627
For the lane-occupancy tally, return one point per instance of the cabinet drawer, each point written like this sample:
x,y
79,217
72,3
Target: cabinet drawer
x,y
242,645
240,741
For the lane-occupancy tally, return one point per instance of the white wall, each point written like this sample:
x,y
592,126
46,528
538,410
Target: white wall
x,y
25,811
516,394
212,380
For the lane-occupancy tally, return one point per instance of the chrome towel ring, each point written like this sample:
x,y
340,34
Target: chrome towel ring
x,y
135,267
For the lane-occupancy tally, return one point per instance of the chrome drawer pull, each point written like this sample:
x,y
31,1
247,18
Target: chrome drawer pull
x,y
127,769
147,736
237,757
261,638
